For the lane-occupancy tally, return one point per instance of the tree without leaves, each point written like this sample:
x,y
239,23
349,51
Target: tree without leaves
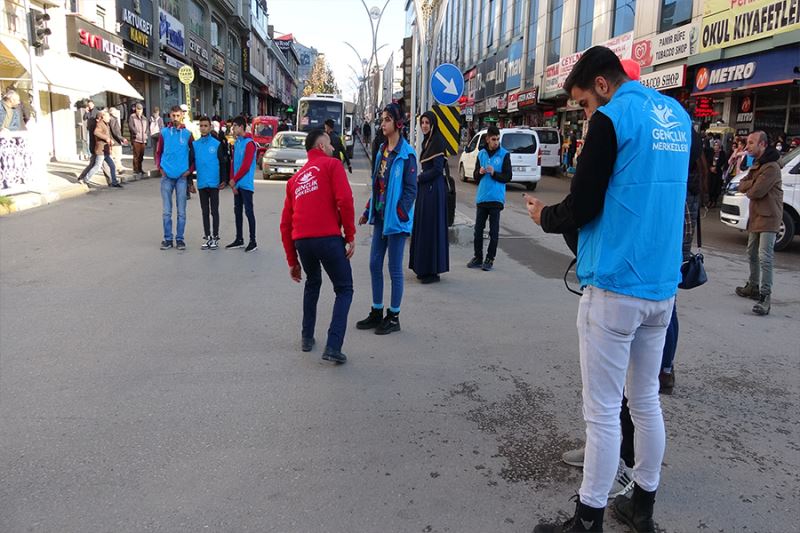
x,y
321,79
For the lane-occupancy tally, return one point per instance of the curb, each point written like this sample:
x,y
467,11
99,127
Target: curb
x,y
31,200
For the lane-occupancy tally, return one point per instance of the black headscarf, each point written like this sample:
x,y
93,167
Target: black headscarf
x,y
433,143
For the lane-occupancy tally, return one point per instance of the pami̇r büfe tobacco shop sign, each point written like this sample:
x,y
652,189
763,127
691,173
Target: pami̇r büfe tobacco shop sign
x,y
730,22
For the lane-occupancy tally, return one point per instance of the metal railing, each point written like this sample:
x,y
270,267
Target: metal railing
x,y
17,172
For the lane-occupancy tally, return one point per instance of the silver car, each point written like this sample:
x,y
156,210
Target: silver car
x,y
285,156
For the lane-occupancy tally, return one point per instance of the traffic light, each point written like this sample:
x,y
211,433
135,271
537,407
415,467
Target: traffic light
x,y
37,25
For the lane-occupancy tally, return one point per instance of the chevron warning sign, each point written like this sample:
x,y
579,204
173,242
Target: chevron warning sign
x,y
449,118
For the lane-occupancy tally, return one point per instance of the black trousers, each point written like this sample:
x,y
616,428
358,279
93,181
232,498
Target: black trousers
x,y
244,199
493,214
209,203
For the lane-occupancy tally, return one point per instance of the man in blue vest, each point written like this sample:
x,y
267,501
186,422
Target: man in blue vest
x,y
492,172
243,169
210,156
173,161
627,202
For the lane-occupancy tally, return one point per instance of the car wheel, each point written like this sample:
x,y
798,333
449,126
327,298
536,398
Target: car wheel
x,y
785,233
461,173
531,185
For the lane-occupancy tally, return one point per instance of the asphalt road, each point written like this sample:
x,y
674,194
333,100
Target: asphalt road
x,y
143,390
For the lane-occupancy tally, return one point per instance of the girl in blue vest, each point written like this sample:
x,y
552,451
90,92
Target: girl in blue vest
x,y
390,210
210,156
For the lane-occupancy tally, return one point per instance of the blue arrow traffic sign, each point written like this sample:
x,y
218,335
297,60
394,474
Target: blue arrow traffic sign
x,y
447,84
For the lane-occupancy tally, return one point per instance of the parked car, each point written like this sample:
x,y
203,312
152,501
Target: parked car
x,y
550,147
526,159
285,156
735,205
263,130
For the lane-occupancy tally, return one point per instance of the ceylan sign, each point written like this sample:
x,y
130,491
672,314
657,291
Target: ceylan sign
x,y
171,32
730,22
774,67
556,74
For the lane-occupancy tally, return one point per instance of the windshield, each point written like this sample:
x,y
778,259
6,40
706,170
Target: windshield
x,y
313,114
519,143
264,130
284,140
784,160
547,136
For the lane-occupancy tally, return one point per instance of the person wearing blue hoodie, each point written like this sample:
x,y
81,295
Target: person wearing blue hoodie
x,y
210,156
492,172
174,162
390,210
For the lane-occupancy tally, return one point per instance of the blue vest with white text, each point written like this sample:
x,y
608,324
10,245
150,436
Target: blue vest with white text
x,y
634,246
246,181
175,154
489,189
206,161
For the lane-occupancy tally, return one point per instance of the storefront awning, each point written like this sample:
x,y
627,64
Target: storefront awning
x,y
14,58
72,76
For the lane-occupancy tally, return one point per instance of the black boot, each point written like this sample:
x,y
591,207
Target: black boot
x,y
585,519
636,511
390,323
372,321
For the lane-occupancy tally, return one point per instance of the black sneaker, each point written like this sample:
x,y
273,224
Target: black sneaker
x,y
390,323
585,519
666,382
637,510
251,246
475,262
214,243
117,185
488,265
334,356
372,321
166,245
306,344
180,245
235,244
206,243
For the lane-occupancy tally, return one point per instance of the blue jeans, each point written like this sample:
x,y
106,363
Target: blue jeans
x,y
168,185
244,199
94,166
396,245
760,252
671,341
330,254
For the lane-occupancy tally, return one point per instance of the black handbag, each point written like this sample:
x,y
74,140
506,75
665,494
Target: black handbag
x,y
451,194
692,270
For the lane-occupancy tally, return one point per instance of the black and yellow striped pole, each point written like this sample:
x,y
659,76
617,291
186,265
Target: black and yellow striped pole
x,y
449,118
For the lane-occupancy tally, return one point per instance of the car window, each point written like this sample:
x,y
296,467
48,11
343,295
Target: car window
x,y
265,131
787,157
547,136
289,141
519,143
481,142
473,144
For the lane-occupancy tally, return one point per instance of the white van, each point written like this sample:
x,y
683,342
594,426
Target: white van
x,y
735,208
550,147
523,145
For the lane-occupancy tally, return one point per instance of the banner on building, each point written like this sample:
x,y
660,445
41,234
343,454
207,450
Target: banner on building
x,y
556,74
671,45
668,78
728,23
171,32
775,67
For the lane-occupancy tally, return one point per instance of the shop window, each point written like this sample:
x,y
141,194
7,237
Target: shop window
x,y
518,5
233,48
195,22
101,16
674,13
777,97
554,35
215,34
530,68
585,21
171,6
624,13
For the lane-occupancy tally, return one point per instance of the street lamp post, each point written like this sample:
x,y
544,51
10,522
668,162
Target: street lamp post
x,y
375,16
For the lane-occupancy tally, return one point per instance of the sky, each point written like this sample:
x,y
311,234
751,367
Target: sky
x,y
326,24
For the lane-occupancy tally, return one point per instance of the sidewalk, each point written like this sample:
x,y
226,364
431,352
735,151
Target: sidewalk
x,y
62,183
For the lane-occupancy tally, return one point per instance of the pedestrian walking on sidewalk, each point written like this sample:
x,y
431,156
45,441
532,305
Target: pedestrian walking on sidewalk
x,y
390,210
339,151
429,251
156,124
628,198
90,122
318,224
492,172
102,152
173,160
764,189
138,124
212,166
243,169
119,140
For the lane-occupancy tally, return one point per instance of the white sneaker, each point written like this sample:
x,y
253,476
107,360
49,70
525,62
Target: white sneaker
x,y
574,457
623,481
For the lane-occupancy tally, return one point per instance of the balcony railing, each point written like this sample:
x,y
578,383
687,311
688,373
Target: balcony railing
x,y
16,163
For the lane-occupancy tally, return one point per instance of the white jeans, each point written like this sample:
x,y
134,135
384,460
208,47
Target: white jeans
x,y
621,343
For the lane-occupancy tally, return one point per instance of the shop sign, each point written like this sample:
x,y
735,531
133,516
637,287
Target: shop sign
x,y
209,76
245,59
514,72
731,22
136,21
668,78
502,103
218,63
198,50
94,43
556,74
171,32
741,132
233,76
172,62
468,114
671,45
145,65
513,102
490,73
528,98
768,68
745,113
491,103
704,107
